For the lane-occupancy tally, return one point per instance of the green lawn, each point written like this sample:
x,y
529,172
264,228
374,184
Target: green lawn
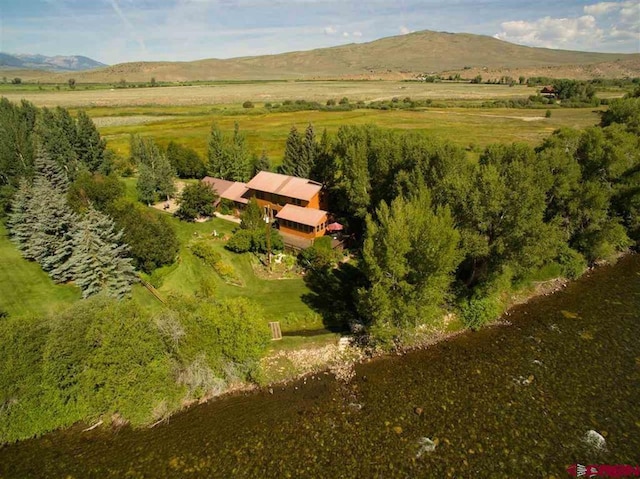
x,y
24,287
277,297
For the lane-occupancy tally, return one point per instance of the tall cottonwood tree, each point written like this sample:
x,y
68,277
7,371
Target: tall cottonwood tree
x,y
409,255
155,173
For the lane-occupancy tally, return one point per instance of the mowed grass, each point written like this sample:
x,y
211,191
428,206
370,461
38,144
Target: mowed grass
x,y
277,297
24,287
471,128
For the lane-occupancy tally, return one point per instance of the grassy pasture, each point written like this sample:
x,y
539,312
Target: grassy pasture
x,y
261,92
472,128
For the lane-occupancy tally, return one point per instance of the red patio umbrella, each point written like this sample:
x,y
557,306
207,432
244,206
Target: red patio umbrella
x,y
335,227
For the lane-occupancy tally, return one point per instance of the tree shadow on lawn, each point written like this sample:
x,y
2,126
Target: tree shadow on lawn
x,y
333,295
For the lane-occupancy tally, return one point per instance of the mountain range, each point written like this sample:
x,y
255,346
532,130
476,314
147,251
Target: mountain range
x,y
56,63
403,56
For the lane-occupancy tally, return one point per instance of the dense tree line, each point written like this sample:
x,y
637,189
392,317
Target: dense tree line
x,y
84,248
74,144
55,170
572,201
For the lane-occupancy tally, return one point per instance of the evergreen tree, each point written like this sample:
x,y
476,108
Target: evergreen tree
x,y
16,143
252,216
240,158
293,153
98,263
324,167
89,146
49,170
309,153
20,221
55,137
218,166
228,159
260,163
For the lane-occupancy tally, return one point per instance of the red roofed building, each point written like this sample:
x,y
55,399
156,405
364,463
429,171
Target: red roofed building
x,y
309,223
298,204
229,190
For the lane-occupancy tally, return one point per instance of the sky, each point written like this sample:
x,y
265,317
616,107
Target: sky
x,y
115,31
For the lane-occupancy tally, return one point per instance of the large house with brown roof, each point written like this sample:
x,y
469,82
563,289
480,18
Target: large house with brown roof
x,y
295,203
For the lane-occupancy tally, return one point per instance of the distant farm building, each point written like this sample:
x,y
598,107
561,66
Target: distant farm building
x,y
548,92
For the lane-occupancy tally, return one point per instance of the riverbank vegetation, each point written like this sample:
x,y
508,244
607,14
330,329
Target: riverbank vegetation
x,y
435,233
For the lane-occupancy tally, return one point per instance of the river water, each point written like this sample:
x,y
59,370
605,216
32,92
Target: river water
x,y
512,401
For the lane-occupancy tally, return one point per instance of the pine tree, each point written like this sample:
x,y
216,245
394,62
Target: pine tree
x,y
98,263
20,221
61,224
261,163
49,170
217,166
292,153
55,139
309,153
89,146
51,226
324,166
240,161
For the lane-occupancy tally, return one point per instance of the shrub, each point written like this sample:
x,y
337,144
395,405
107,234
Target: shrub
x,y
247,104
478,311
240,242
573,264
547,114
254,241
331,102
344,101
319,255
205,252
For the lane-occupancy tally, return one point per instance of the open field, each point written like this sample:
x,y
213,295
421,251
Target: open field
x,y
472,128
260,92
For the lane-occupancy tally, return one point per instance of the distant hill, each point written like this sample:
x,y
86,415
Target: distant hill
x,y
393,57
57,63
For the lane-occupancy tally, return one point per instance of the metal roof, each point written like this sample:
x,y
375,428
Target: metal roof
x,y
218,184
229,190
304,216
290,186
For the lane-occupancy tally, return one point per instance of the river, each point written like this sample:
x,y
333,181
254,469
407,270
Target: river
x,y
514,401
